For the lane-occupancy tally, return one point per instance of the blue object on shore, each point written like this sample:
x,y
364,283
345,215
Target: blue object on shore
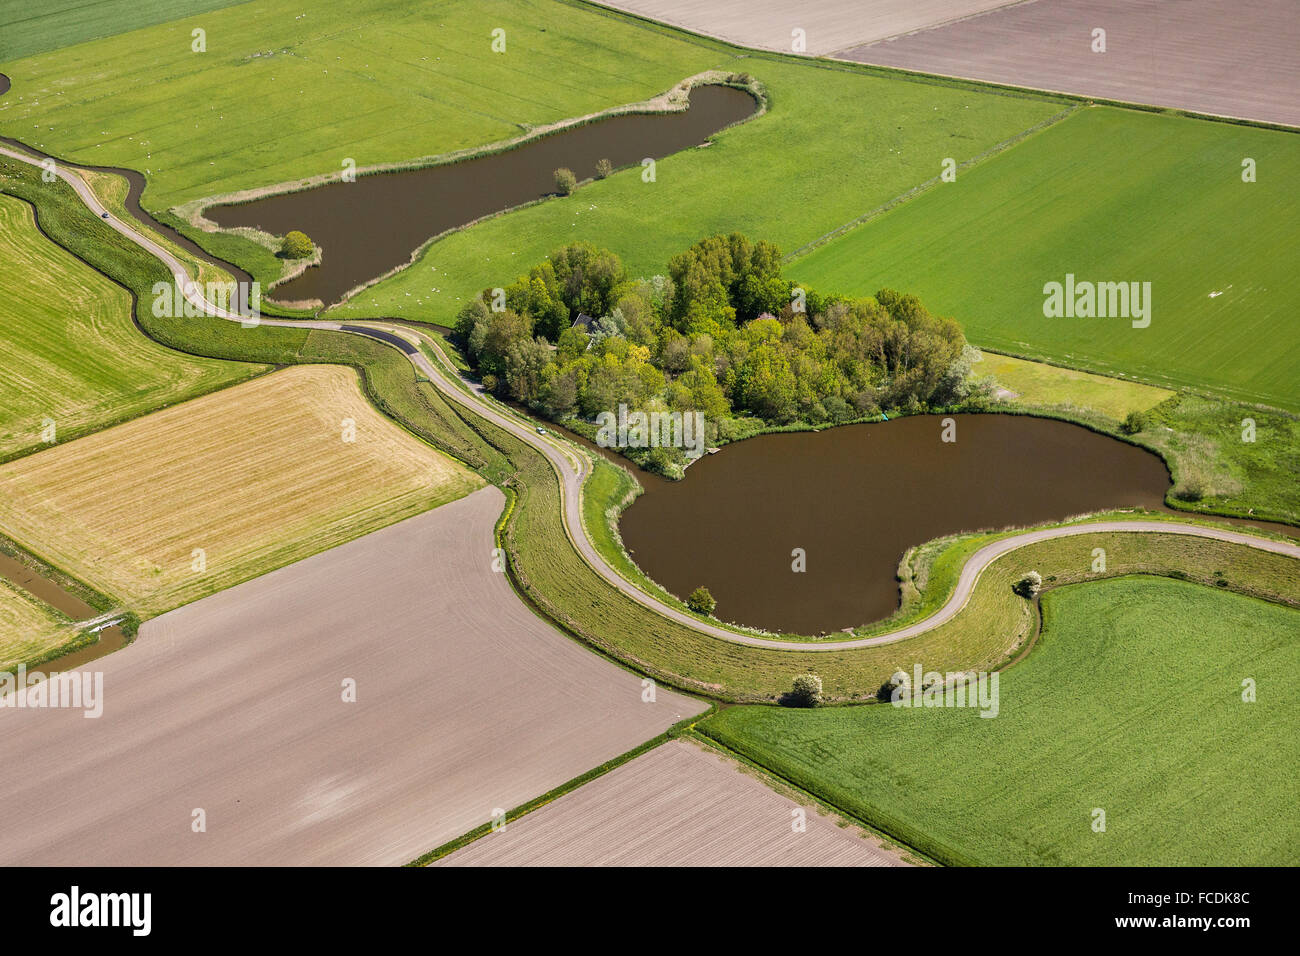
x,y
884,417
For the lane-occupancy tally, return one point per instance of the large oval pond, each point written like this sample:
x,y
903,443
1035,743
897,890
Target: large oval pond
x,y
367,227
855,498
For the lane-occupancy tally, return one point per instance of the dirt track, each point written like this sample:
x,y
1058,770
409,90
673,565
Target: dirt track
x,y
465,702
678,805
1235,59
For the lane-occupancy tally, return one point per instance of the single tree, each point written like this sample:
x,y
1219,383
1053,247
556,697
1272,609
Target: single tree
x,y
296,245
806,690
565,181
701,601
603,168
1029,585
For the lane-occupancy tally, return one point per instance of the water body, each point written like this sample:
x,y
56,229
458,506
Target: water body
x,y
855,498
367,227
65,602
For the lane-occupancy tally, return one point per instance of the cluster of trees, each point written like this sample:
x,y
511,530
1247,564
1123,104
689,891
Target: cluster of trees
x,y
723,333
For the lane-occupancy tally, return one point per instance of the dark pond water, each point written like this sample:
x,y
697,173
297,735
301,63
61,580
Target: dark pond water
x,y
367,227
855,498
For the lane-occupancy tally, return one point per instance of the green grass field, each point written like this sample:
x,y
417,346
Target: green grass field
x,y
71,354
1036,383
287,90
1131,702
26,31
779,177
1108,195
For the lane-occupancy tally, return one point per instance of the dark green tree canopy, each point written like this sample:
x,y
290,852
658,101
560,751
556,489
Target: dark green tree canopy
x,y
724,333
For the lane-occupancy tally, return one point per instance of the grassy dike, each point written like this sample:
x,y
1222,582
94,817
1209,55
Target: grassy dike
x,y
550,572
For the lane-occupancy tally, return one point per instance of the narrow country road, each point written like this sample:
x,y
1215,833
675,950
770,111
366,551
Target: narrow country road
x,y
572,465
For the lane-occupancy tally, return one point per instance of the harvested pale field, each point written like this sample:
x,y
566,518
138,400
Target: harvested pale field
x,y
1229,59
828,25
465,702
253,477
678,805
28,628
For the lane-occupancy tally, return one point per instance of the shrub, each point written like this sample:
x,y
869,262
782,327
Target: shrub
x,y
701,601
296,245
1134,422
806,691
1029,585
565,181
896,680
1191,489
603,168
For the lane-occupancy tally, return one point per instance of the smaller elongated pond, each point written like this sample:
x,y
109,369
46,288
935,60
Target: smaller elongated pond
x,y
855,498
367,227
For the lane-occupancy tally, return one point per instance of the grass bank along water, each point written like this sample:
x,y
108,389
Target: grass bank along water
x,y
372,225
854,498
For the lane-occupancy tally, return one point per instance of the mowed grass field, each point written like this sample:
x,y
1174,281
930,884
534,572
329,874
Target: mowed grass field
x,y
1131,703
28,628
835,144
256,476
287,90
1108,195
69,349
27,28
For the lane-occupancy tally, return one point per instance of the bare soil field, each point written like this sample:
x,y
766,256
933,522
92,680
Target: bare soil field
x,y
1229,59
465,702
681,804
178,504
828,25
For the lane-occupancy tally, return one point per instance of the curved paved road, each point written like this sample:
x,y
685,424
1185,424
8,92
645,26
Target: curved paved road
x,y
572,466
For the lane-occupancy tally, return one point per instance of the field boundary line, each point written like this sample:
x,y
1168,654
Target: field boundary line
x,y
708,740
85,431
961,18
680,729
920,188
835,61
